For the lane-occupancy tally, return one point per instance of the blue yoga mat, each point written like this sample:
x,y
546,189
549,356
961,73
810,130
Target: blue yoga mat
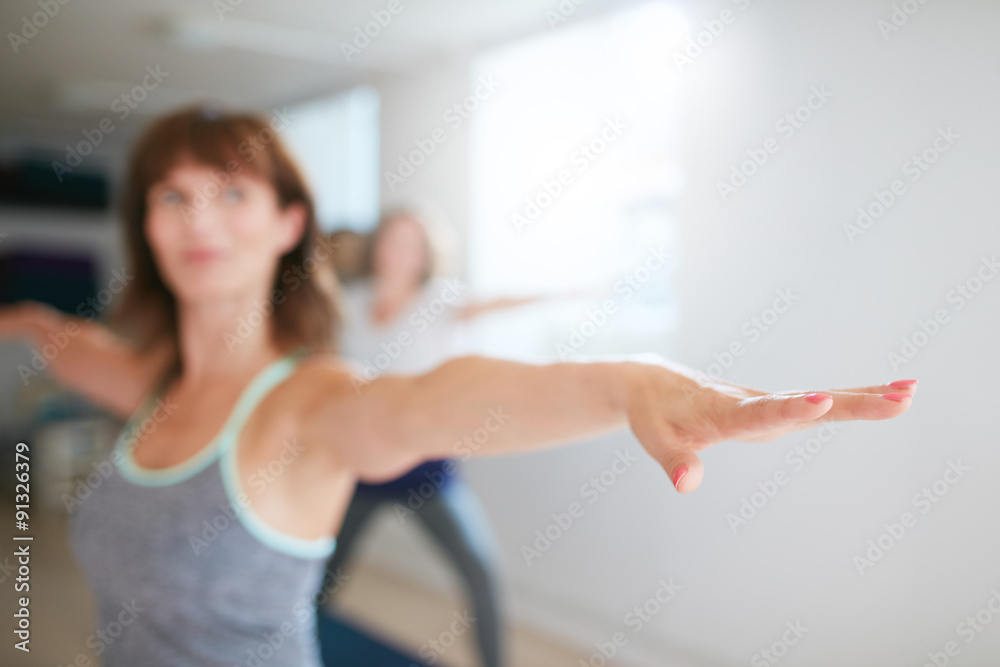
x,y
345,645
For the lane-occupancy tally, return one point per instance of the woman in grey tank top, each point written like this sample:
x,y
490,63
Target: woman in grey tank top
x,y
206,542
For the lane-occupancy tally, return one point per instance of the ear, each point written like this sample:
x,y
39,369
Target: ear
x,y
292,225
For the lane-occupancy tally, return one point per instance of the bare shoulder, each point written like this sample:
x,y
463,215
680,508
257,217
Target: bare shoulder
x,y
343,419
320,373
318,382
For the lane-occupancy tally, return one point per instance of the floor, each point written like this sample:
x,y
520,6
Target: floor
x,y
408,616
401,611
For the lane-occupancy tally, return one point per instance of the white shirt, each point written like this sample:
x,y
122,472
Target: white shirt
x,y
421,337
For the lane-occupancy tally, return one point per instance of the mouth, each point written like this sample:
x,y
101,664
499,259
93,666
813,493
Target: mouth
x,y
202,256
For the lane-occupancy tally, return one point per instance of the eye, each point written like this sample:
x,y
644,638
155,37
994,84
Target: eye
x,y
171,198
233,194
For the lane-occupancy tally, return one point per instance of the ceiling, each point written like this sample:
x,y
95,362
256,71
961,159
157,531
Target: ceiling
x,y
244,53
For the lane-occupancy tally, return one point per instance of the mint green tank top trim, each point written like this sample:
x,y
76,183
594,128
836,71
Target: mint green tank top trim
x,y
223,446
205,579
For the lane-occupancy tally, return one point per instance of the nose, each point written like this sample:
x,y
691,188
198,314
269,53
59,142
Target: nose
x,y
199,215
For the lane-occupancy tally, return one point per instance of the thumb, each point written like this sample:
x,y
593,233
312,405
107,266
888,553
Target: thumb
x,y
684,469
674,454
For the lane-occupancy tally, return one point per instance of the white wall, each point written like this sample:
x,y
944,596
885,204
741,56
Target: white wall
x,y
784,229
413,108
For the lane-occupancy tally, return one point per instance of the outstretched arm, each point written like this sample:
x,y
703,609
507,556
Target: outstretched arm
x,y
477,308
489,406
84,356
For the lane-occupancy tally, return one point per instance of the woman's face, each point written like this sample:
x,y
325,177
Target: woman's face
x,y
401,250
218,236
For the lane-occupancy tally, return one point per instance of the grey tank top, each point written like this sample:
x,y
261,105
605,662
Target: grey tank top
x,y
184,572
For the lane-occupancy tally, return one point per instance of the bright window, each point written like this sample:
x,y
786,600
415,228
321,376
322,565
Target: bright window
x,y
336,141
575,170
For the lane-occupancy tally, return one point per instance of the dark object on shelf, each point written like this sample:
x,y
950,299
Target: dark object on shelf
x,y
36,183
66,282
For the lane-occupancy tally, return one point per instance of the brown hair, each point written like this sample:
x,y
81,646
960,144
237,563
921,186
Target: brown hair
x,y
349,254
307,316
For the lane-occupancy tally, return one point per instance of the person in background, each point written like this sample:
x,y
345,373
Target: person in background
x,y
401,318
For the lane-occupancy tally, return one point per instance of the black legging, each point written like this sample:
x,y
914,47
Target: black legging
x,y
455,519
